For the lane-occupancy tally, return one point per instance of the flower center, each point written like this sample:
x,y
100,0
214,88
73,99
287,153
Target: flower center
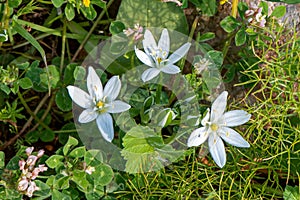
x,y
100,104
214,127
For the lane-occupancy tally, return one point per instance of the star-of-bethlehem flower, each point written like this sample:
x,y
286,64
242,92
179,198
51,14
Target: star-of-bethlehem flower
x,y
216,127
99,103
156,56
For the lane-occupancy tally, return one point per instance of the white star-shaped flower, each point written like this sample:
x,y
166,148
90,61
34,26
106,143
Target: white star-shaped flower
x,y
98,103
216,127
156,56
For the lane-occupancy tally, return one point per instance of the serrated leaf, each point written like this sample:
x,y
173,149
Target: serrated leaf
x,y
291,193
278,11
77,152
71,142
69,12
145,150
63,100
240,37
229,24
54,161
25,83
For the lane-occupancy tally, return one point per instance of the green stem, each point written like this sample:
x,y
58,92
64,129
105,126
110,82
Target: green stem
x,y
63,47
91,31
159,88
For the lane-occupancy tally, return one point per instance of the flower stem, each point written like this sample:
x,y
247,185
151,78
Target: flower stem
x,y
159,89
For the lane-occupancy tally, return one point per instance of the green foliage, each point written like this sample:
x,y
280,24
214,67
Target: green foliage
x,y
286,1
291,193
207,7
229,24
279,12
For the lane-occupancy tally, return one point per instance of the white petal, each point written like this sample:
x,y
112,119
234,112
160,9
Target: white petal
x,y
105,126
164,42
179,53
87,116
148,41
232,137
170,69
197,137
112,88
117,107
218,107
94,84
80,97
206,118
150,74
144,58
236,117
217,150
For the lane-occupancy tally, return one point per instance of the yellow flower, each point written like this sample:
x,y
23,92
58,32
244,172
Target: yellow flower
x,y
223,2
86,3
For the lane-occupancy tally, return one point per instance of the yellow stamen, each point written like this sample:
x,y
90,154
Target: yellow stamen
x,y
86,3
159,60
100,104
214,127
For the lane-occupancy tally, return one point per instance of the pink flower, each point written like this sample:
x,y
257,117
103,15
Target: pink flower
x,y
40,153
32,187
29,150
31,160
89,170
22,164
23,184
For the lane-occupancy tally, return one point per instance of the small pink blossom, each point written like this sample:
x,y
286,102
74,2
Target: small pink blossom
x,y
22,164
31,160
23,184
29,150
40,153
32,187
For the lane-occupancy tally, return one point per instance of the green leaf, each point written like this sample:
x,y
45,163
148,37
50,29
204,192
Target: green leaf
x,y
149,13
278,12
23,65
69,12
71,142
47,135
242,7
34,73
240,37
89,12
53,76
93,157
13,164
57,3
265,7
68,73
25,83
44,189
4,88
229,24
62,183
78,152
79,73
291,193
206,36
63,100
54,161
79,177
145,150
2,159
56,195
116,27
14,3
208,7
103,175
216,57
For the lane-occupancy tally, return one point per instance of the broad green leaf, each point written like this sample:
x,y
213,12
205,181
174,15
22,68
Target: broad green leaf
x,y
278,11
13,163
206,36
2,159
216,57
116,27
242,7
78,152
240,37
57,3
79,177
23,65
291,193
34,73
53,76
103,175
265,7
89,12
286,1
25,83
54,161
62,183
4,88
79,73
95,192
68,74
229,24
149,13
47,135
56,195
71,142
14,3
145,150
63,100
44,189
69,12
93,157
207,7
